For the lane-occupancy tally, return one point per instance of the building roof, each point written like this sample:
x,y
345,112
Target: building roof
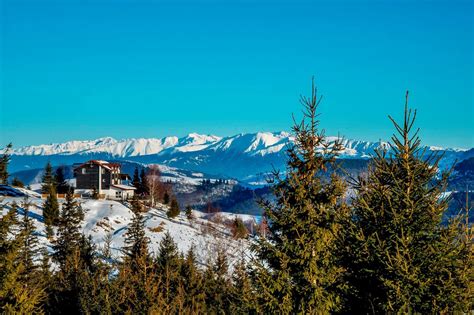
x,y
104,164
124,187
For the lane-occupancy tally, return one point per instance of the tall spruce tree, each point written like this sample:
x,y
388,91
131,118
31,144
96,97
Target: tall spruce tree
x,y
189,212
20,290
74,253
191,281
136,241
297,269
4,160
59,178
69,235
400,257
51,211
166,198
137,282
48,182
136,181
168,264
218,285
242,294
173,211
144,189
29,246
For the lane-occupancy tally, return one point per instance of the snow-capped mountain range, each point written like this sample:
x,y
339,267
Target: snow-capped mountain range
x,y
261,143
240,156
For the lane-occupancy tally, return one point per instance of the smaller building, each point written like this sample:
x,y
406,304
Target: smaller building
x,y
104,178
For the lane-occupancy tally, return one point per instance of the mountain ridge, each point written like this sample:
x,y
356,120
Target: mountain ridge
x,y
242,156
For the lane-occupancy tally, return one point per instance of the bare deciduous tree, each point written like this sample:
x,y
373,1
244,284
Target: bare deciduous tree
x,y
153,178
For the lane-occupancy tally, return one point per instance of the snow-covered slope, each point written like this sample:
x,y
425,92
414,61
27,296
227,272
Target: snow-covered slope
x,y
106,217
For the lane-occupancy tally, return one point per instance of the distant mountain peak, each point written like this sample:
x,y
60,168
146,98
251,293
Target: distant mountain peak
x,y
241,156
259,143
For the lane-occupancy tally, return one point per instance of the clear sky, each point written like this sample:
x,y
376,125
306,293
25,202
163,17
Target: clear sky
x,y
86,69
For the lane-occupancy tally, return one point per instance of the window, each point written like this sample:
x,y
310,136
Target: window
x,y
83,170
103,170
118,194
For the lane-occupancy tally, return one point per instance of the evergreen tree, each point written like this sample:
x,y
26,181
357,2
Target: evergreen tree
x,y
191,281
29,246
173,211
243,297
48,180
138,284
401,258
144,189
297,269
101,286
136,242
238,228
218,285
74,253
136,181
20,290
62,186
4,160
8,226
16,182
168,255
168,264
69,226
166,198
189,212
51,211
45,266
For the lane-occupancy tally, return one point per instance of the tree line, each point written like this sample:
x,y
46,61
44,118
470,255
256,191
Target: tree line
x,y
380,248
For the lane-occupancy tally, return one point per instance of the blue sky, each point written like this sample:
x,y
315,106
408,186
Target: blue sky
x,y
87,69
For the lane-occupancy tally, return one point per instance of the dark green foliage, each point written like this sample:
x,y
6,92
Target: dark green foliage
x,y
166,198
238,228
49,184
173,211
136,242
4,160
218,285
21,291
62,186
192,283
144,189
136,181
29,241
168,264
401,259
189,212
138,283
51,211
70,289
167,254
298,269
69,236
16,182
242,294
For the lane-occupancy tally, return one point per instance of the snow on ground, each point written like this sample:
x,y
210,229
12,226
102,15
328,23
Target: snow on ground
x,y
103,217
229,217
